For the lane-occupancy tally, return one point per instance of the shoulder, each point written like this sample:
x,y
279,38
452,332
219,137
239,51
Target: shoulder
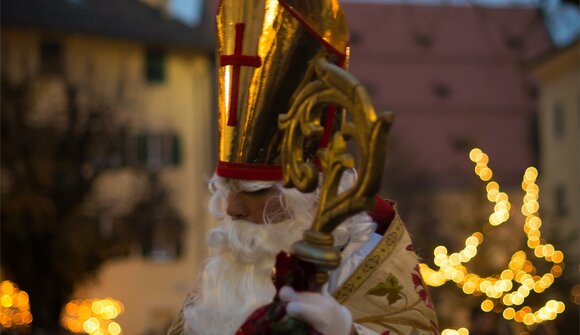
x,y
387,283
178,325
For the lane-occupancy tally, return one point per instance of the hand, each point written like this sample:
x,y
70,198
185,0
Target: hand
x,y
321,311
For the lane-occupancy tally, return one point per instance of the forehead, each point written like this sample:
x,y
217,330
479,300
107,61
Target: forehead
x,y
248,185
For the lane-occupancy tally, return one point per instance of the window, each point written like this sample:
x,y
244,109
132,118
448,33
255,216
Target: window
x,y
558,121
462,143
51,58
155,66
441,90
355,38
154,151
560,206
157,224
424,40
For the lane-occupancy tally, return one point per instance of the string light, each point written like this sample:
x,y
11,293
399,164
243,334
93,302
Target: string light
x,y
14,306
93,316
460,331
506,292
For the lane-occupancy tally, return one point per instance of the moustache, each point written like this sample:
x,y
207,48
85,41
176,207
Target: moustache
x,y
248,242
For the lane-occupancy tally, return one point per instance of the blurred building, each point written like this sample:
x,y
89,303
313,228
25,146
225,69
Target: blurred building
x,y
455,77
134,53
559,128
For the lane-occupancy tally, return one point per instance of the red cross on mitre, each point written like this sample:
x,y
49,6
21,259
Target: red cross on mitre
x,y
237,60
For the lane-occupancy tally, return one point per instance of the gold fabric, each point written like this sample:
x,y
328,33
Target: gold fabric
x,y
386,291
285,35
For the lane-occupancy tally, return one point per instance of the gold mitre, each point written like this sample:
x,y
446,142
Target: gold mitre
x,y
264,50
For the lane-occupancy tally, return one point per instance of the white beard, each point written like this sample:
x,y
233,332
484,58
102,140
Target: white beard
x,y
237,278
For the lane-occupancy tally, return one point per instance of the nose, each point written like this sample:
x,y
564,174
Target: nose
x,y
236,207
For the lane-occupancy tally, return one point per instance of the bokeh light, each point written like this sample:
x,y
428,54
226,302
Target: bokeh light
x,y
14,306
93,316
511,287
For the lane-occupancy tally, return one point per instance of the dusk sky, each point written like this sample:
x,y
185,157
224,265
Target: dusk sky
x,y
563,20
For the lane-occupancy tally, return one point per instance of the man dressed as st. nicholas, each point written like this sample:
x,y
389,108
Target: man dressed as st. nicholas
x,y
265,52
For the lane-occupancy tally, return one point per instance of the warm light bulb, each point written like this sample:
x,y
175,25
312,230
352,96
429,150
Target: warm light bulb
x,y
509,313
475,154
531,173
114,328
558,257
440,250
487,305
462,331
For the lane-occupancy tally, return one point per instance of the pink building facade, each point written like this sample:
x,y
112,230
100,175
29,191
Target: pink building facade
x,y
455,78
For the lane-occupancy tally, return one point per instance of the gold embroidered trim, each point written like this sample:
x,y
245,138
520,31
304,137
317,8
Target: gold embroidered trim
x,y
373,261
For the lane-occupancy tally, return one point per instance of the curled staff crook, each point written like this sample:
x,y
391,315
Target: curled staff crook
x,y
361,124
